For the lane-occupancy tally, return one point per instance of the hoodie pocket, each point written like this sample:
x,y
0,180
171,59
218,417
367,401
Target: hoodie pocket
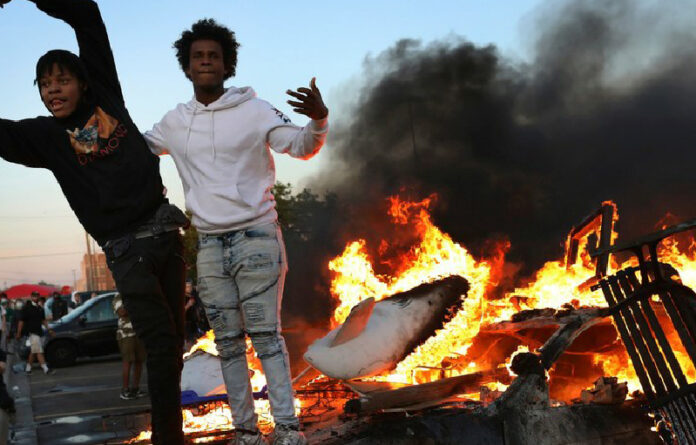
x,y
256,191
217,206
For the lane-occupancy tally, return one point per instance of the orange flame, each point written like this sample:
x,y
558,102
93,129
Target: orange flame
x,y
205,343
436,255
220,418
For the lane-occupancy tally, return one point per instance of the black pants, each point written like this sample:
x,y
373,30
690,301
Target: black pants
x,y
149,274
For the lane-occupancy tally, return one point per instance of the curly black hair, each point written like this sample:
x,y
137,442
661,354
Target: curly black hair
x,y
208,29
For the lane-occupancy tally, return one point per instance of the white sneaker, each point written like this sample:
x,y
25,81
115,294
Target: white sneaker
x,y
248,438
288,435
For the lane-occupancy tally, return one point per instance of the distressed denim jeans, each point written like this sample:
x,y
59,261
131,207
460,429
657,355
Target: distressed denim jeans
x,y
240,282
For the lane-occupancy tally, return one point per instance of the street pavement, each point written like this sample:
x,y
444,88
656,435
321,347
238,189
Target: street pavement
x,y
75,405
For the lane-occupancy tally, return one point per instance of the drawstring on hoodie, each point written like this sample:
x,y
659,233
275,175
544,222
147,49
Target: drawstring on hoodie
x,y
231,98
212,117
188,134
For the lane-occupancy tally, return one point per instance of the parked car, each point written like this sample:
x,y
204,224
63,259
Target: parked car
x,y
87,331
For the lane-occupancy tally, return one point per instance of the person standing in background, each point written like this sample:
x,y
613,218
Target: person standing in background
x,y
132,352
32,320
5,320
58,306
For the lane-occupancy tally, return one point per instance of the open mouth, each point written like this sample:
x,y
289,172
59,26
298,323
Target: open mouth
x,y
57,104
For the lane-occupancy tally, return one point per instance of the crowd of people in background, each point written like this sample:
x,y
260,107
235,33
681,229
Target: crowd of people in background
x,y
58,305
29,318
54,309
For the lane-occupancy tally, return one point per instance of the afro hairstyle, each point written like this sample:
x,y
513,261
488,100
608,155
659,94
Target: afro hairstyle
x,y
208,29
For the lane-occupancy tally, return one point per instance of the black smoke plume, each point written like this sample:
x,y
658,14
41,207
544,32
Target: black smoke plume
x,y
518,150
604,110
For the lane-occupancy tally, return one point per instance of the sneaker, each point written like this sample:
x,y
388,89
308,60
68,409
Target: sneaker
x,y
243,437
28,371
49,371
137,393
288,435
126,395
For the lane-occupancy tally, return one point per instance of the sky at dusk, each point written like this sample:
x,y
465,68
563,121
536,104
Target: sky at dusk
x,y
284,44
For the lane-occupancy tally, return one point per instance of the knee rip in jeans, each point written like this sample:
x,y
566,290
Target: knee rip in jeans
x,y
266,344
231,347
216,320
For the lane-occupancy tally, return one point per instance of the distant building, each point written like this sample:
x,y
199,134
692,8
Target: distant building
x,y
95,273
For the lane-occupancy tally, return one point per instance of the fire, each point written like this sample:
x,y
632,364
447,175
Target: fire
x,y
219,419
436,255
205,343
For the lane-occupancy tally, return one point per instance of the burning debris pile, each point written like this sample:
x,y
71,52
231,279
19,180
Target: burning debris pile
x,y
434,341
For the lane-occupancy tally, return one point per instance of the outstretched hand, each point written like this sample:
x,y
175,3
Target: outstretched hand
x,y
310,102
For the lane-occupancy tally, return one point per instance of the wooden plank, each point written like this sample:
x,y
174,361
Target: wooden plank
x,y
364,388
426,392
304,377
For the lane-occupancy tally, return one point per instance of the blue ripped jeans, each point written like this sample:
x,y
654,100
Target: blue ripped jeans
x,y
240,282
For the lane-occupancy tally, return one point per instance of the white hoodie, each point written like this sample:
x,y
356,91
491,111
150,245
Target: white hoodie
x,y
222,154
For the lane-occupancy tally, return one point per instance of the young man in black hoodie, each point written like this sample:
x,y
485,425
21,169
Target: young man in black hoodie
x,y
111,181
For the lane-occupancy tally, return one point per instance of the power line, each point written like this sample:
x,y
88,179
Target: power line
x,y
38,256
32,280
34,216
24,272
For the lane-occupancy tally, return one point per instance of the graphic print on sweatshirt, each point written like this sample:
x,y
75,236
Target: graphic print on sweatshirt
x,y
100,137
282,117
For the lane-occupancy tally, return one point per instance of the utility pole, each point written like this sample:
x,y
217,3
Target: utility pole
x,y
74,280
90,273
97,266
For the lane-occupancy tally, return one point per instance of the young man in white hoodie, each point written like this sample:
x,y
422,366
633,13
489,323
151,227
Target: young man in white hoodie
x,y
221,142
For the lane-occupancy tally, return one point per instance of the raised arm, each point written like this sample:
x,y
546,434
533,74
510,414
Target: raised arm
x,y
284,137
95,51
299,142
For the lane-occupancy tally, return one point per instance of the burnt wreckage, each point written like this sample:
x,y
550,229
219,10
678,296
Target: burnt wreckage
x,y
646,302
647,305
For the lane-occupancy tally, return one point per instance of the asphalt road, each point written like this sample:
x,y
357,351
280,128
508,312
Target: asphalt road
x,y
76,405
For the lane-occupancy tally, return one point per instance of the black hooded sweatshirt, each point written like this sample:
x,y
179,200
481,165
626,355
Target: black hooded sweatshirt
x,y
99,158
